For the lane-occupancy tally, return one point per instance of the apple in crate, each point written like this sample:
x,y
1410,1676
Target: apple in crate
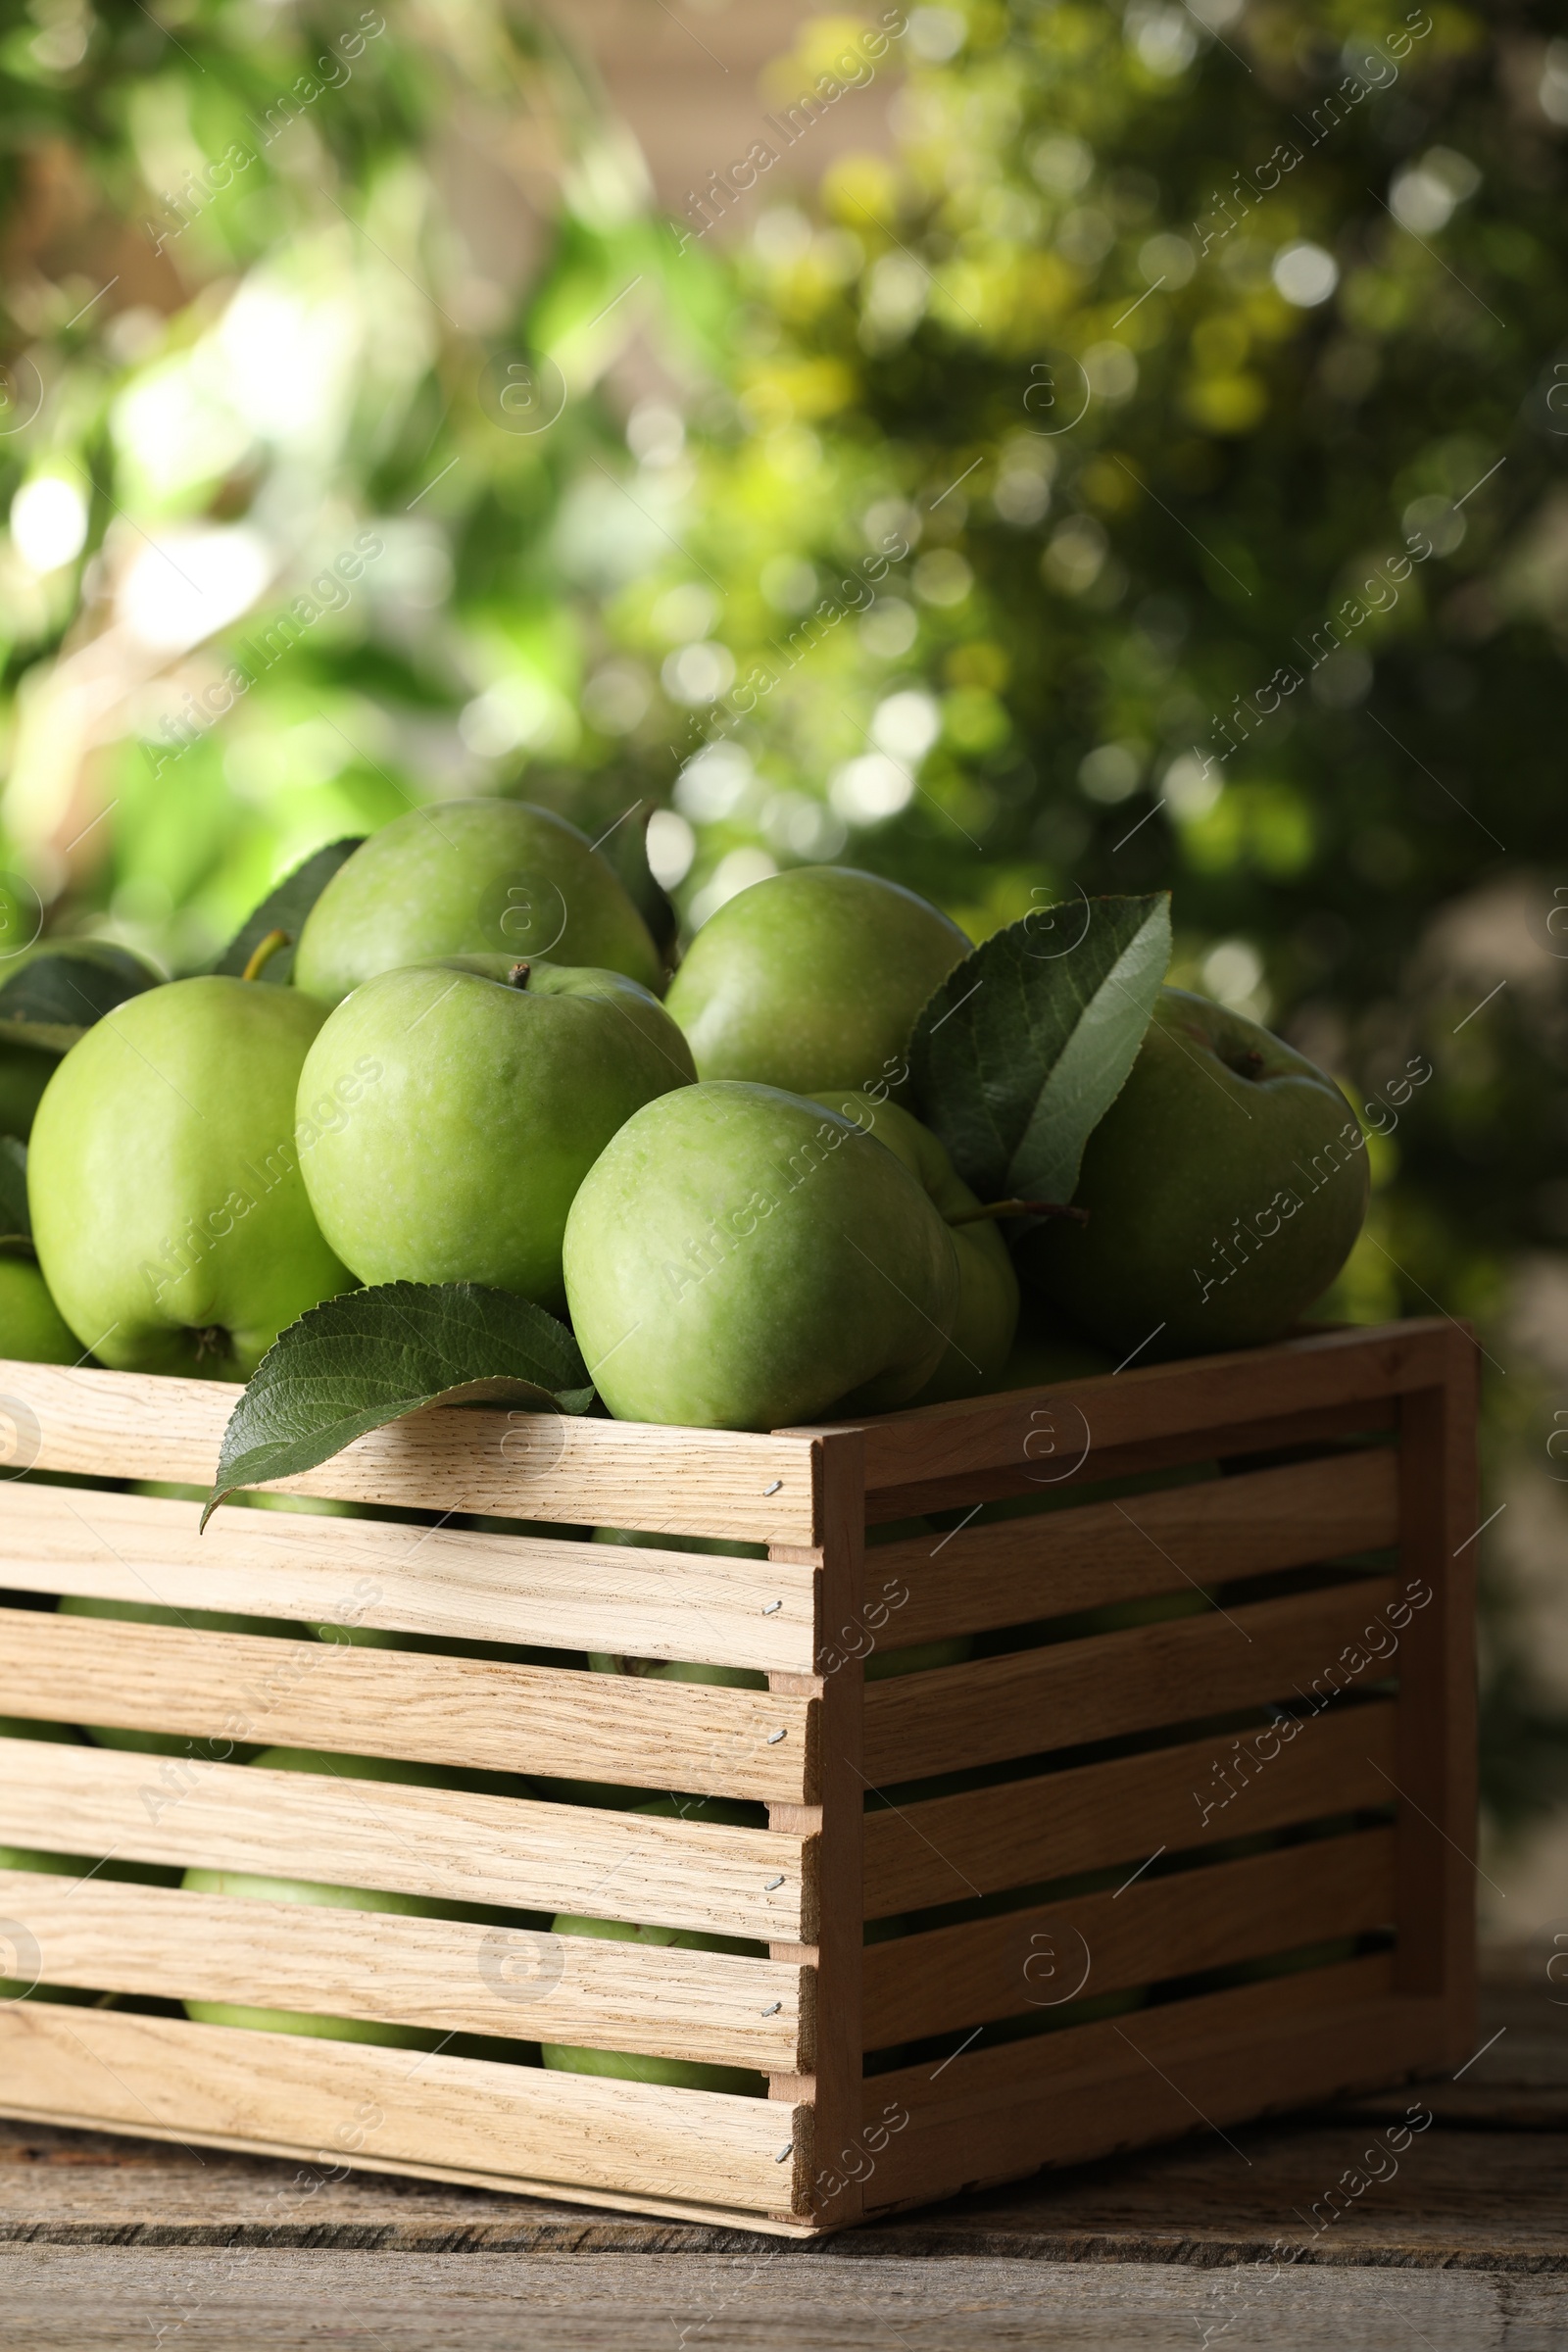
x,y
169,1211
470,878
813,979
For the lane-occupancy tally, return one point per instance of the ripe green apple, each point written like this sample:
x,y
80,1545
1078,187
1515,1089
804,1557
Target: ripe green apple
x,y
448,1112
988,1287
31,1326
741,1258
1225,1187
637,2066
813,979
248,1885
169,1211
472,878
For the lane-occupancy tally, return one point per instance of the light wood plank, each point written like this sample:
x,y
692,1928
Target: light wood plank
x,y
471,1712
1100,1816
444,1975
1153,1929
1255,1524
1158,2073
709,1482
1200,1396
1108,1684
345,2101
549,1592
1435,1771
432,1841
835,2113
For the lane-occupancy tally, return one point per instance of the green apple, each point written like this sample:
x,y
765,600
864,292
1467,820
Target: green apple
x,y
169,1211
988,1287
31,1326
470,878
1225,1187
250,1886
741,1258
813,979
448,1112
636,2066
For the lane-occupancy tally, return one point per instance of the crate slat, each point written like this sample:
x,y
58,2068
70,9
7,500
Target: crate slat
x,y
431,1841
1209,1396
1090,1467
474,1712
1100,1816
446,1975
1160,1928
1434,1773
546,1591
1108,1684
707,1481
1255,1524
1158,2073
348,2103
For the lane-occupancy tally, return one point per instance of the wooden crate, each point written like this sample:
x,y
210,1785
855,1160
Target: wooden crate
x,y
1321,1493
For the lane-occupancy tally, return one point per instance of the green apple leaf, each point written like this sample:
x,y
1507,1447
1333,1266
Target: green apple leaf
x,y
284,908
1028,1041
16,1222
59,993
357,1362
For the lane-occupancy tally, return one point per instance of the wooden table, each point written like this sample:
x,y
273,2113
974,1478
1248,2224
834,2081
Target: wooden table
x,y
1461,2242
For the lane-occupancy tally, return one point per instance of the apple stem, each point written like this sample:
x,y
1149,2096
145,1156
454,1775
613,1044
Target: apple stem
x,y
1020,1209
262,952
518,977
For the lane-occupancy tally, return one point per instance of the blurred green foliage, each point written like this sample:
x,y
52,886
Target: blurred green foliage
x,y
968,525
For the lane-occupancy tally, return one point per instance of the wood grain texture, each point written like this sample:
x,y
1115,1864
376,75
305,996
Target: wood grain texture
x,y
1088,1471
442,1973
1031,1700
1153,2074
470,1712
1435,1772
770,2299
836,2112
1198,1396
550,1593
519,1465
1155,1929
286,2091
430,1841
1251,1525
1095,1816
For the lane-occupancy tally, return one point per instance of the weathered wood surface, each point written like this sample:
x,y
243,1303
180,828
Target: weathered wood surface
x,y
1463,2249
1482,2189
67,2300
